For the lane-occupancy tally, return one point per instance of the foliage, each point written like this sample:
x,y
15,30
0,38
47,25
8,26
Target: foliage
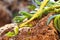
x,y
14,33
31,7
46,6
56,21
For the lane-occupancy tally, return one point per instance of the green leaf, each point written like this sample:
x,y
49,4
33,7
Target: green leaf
x,y
28,15
31,7
50,4
14,33
16,30
38,2
50,18
19,19
10,34
56,23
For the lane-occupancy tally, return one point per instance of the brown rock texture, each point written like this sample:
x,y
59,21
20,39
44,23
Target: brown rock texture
x,y
40,31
